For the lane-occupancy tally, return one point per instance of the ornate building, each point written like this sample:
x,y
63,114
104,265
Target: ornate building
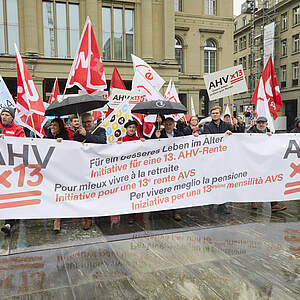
x,y
181,39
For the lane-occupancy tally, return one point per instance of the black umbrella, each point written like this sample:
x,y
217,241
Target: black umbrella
x,y
158,107
75,105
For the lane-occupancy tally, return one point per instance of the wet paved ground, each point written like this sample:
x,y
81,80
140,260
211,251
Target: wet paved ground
x,y
246,255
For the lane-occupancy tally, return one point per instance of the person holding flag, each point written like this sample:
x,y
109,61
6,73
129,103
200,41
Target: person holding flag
x,y
9,128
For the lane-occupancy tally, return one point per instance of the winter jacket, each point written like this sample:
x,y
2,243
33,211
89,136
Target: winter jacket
x,y
128,138
213,128
239,128
163,134
254,129
296,129
12,130
98,137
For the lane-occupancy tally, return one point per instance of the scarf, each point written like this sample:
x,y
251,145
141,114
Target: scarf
x,y
194,128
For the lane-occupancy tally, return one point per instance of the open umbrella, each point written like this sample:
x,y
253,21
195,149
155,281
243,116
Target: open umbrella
x,y
159,107
75,105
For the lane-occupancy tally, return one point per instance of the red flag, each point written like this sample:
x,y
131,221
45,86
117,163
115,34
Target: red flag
x,y
87,70
55,92
271,89
116,83
29,100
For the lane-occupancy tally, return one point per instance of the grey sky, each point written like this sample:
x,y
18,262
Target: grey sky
x,y
237,6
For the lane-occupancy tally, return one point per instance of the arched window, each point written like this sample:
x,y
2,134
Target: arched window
x,y
210,56
179,53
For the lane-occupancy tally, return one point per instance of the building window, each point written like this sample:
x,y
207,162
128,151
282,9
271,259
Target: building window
x,y
210,57
283,48
244,62
235,62
244,21
283,76
117,44
235,26
250,40
295,67
179,53
296,12
243,42
296,43
178,5
240,61
9,28
61,29
235,46
284,21
211,7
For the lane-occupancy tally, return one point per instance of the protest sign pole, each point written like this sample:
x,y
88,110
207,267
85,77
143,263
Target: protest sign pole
x,y
30,112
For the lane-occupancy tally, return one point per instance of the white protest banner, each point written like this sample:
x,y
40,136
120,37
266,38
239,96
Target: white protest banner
x,y
6,99
40,178
226,82
117,96
269,31
114,123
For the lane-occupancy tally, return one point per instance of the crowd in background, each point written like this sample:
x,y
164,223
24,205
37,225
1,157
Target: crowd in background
x,y
84,130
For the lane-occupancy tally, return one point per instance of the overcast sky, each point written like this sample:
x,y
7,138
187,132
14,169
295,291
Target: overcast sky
x,y
237,6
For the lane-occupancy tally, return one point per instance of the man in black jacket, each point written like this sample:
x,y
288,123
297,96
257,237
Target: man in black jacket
x,y
261,127
84,131
84,134
217,125
214,127
169,131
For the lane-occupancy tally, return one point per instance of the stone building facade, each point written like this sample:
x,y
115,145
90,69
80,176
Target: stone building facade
x,y
181,39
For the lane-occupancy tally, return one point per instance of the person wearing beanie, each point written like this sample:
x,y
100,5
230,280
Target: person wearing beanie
x,y
9,128
7,124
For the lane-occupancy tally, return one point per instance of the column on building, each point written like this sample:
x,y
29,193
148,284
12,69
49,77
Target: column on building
x,y
91,9
169,30
31,36
146,33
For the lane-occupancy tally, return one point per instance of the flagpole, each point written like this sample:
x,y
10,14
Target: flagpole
x,y
34,131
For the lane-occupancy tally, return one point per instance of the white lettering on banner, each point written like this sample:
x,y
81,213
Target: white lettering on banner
x,y
81,59
40,179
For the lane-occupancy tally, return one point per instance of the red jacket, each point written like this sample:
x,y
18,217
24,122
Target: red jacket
x,y
12,130
128,138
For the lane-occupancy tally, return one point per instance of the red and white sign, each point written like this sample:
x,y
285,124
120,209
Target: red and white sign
x,y
30,109
227,82
87,71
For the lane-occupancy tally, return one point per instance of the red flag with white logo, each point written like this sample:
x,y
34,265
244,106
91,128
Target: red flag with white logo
x,y
30,109
87,71
268,89
55,92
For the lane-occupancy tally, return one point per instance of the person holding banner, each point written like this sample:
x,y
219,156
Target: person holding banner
x,y
131,129
85,134
238,124
59,132
193,127
9,128
214,127
169,131
261,127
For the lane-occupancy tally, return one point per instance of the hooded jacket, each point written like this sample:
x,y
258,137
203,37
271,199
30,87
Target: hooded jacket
x,y
12,130
296,129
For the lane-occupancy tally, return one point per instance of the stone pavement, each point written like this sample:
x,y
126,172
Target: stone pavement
x,y
246,255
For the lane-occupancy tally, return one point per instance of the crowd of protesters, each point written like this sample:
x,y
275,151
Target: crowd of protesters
x,y
85,131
